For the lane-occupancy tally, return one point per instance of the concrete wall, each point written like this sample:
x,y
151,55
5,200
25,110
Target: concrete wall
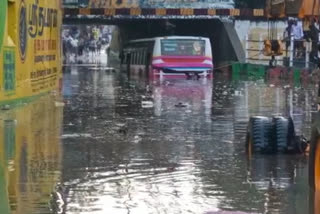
x,y
229,45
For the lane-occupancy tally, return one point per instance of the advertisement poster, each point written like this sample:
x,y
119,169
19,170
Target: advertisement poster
x,y
39,43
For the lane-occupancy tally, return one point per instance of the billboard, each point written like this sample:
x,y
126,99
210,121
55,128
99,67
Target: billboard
x,y
30,51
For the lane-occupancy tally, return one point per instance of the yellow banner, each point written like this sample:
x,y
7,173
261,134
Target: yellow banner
x,y
31,53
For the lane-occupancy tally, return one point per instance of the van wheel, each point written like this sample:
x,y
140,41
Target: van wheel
x,y
281,126
314,161
258,135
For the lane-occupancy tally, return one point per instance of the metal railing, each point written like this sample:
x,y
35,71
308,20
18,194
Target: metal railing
x,y
255,53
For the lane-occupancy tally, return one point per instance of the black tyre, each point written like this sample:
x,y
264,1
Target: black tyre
x,y
280,134
259,135
293,140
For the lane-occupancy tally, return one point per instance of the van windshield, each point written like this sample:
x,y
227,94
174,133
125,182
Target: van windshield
x,y
182,47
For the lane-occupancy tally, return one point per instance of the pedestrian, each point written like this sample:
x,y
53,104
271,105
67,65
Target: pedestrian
x,y
80,47
287,35
297,33
314,36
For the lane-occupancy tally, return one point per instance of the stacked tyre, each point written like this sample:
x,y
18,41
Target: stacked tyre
x,y
272,135
281,134
258,135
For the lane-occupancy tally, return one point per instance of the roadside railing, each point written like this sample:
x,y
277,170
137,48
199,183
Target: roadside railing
x,y
254,52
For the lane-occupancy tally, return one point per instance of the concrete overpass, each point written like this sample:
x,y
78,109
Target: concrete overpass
x,y
150,18
114,14
106,10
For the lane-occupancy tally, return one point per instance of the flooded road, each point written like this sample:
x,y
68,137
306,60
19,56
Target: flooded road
x,y
139,147
30,156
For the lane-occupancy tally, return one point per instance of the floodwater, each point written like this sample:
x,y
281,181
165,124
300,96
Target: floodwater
x,y
133,146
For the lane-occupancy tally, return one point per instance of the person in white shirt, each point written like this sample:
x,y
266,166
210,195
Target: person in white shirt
x,y
297,33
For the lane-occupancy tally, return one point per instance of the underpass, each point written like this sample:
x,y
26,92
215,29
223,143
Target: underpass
x,y
118,143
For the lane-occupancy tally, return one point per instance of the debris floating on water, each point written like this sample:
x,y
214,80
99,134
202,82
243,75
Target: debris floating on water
x,y
180,105
59,104
238,93
137,139
5,107
147,104
76,135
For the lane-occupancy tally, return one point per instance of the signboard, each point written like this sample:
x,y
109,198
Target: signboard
x,y
38,42
30,52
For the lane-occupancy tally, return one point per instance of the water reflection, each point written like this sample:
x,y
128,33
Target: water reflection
x,y
121,156
314,202
30,156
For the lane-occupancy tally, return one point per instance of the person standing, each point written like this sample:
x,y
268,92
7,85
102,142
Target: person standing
x,y
287,35
314,36
297,36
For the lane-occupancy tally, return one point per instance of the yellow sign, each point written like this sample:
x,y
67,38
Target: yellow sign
x,y
32,34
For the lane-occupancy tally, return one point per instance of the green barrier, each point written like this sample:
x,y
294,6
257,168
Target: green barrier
x,y
256,71
246,71
296,77
235,71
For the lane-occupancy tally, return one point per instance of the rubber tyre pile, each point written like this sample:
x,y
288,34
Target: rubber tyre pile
x,y
273,135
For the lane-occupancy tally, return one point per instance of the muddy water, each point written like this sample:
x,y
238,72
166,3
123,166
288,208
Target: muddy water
x,y
30,156
136,146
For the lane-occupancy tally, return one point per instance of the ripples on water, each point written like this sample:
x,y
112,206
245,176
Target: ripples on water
x,y
30,156
149,147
